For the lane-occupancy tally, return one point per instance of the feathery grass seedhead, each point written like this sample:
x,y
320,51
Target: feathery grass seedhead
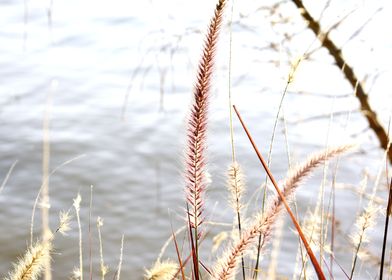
x,y
236,186
197,124
76,202
76,274
226,266
364,222
33,262
162,271
65,220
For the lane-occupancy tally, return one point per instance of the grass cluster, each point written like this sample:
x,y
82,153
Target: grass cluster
x,y
239,256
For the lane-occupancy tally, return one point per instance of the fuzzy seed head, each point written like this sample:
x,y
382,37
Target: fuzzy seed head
x,y
65,221
365,222
236,186
99,222
162,271
33,262
76,202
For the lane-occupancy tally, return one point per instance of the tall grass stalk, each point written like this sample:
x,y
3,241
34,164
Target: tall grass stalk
x,y
237,187
387,214
103,267
45,180
118,272
7,176
90,237
290,79
76,205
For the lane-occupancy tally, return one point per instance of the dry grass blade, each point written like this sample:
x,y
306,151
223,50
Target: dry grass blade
x,y
387,214
8,176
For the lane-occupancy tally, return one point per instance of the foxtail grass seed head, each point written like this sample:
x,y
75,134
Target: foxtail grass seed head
x,y
218,240
76,202
99,222
76,273
162,271
65,221
236,186
33,262
365,222
195,158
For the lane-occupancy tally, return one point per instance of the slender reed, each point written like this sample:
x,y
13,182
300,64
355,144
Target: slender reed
x,y
45,180
384,243
290,79
195,170
237,187
90,238
76,205
225,267
7,176
103,268
120,259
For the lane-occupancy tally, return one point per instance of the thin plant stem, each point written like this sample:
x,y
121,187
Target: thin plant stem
x,y
120,259
103,268
280,107
45,179
384,243
7,176
233,154
39,195
90,256
76,205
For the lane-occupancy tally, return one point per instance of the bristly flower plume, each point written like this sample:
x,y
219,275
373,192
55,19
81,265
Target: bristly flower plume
x,y
236,186
195,173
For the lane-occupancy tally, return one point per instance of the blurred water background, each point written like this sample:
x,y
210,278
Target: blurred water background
x,y
115,78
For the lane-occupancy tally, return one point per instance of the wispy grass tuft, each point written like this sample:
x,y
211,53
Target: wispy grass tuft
x,y
226,266
363,224
33,263
162,271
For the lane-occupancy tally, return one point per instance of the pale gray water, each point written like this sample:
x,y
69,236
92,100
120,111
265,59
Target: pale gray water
x,y
87,58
